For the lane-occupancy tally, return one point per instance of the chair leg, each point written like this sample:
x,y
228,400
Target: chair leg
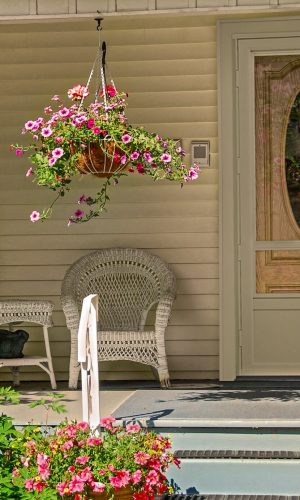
x,y
74,374
15,370
74,364
164,378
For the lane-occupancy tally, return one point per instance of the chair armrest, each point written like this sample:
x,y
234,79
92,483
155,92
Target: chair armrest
x,y
163,312
70,309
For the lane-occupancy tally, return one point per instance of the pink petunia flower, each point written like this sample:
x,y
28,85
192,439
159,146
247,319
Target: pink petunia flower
x,y
152,478
136,476
67,445
29,484
154,463
124,159
110,90
62,488
59,140
132,428
90,123
107,422
97,487
78,214
86,475
121,479
28,125
134,155
76,484
141,458
19,152
46,132
35,216
117,158
35,127
44,471
63,112
81,200
57,152
192,173
83,426
42,458
126,138
140,168
180,151
97,130
48,110
94,441
148,157
52,161
166,158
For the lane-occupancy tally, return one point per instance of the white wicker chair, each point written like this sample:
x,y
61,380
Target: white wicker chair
x,y
128,282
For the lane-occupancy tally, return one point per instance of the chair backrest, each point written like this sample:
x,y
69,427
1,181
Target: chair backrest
x,y
128,282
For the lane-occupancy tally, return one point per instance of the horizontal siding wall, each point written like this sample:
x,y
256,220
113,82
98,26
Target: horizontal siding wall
x,y
168,67
83,7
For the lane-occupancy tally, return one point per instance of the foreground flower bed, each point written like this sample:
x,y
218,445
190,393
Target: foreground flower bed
x,y
76,463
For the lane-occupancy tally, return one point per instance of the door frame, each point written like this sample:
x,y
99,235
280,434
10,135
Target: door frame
x,y
229,33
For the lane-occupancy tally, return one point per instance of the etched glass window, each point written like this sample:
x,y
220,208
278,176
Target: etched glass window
x,y
292,158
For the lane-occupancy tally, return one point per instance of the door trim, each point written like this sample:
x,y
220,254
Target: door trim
x,y
229,34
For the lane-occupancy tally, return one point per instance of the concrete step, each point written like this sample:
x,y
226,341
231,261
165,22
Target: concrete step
x,y
237,477
228,497
239,462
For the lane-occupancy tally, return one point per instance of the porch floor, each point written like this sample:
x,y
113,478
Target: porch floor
x,y
186,404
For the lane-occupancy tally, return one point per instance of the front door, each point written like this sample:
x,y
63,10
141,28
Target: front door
x,y
269,200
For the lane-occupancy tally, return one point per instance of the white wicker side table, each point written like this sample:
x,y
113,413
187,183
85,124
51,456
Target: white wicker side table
x,y
13,312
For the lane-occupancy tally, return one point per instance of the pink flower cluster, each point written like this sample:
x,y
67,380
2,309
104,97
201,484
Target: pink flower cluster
x,y
74,461
64,140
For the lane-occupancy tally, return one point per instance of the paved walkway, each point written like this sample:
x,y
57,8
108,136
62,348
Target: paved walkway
x,y
23,414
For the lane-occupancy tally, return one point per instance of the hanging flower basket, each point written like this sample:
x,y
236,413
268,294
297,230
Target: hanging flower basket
x,y
97,139
98,159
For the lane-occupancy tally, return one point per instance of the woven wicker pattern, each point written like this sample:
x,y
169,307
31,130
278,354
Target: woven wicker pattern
x,y
39,312
30,311
128,282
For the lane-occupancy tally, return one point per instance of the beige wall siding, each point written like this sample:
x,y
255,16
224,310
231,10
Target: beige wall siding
x,y
168,67
23,8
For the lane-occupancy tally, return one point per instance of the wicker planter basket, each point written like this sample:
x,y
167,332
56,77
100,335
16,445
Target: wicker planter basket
x,y
95,161
122,494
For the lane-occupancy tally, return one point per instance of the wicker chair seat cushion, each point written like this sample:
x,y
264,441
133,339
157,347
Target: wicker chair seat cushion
x,y
139,346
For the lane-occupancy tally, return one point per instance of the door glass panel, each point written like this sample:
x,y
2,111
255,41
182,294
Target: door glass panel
x,y
292,158
277,171
277,101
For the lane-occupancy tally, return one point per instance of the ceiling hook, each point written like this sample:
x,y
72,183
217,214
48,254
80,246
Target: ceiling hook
x,y
99,19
